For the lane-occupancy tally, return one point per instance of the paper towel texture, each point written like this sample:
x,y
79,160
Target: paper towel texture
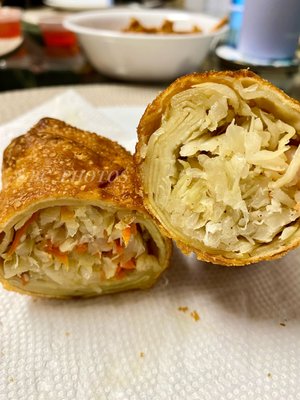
x,y
149,345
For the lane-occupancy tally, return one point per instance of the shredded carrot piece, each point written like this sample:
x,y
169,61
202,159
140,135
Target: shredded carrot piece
x,y
133,228
127,232
66,214
24,278
81,248
118,247
122,268
129,264
20,232
53,250
120,273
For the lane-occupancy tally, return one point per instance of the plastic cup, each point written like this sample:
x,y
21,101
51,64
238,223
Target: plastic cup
x,y
270,29
10,22
54,34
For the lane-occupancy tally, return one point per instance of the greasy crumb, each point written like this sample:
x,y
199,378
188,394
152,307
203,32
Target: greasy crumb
x,y
195,315
142,355
282,324
269,375
183,308
11,379
67,333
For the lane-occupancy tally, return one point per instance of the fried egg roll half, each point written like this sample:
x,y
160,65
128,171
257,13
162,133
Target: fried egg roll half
x,y
218,159
71,222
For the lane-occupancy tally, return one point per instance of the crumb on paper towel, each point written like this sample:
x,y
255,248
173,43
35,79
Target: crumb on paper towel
x,y
142,354
183,308
282,324
11,379
195,315
67,333
269,375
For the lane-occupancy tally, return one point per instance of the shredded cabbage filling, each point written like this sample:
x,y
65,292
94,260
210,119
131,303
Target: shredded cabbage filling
x,y
80,246
224,172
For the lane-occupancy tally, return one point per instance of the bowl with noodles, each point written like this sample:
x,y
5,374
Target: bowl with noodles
x,y
145,45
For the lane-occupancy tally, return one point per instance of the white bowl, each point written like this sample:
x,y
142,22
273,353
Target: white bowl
x,y
148,57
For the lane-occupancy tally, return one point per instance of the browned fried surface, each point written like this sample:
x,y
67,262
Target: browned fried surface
x,y
283,106
55,160
151,118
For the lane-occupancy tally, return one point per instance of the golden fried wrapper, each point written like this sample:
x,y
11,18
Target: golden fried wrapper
x,y
71,222
218,159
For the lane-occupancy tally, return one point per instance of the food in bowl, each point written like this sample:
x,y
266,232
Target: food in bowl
x,y
218,159
71,223
220,24
144,57
167,27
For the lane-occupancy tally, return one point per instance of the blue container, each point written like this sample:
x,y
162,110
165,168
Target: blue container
x,y
235,23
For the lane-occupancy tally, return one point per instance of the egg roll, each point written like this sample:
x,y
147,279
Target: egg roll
x,y
71,222
218,160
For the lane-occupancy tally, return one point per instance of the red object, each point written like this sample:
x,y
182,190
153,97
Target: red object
x,y
59,38
10,25
54,34
10,29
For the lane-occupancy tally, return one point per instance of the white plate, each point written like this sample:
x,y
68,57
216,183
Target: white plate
x,y
7,46
78,5
33,16
138,345
229,53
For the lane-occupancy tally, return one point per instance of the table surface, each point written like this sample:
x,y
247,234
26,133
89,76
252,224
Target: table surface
x,y
34,65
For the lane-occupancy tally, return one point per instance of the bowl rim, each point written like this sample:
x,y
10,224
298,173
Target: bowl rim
x,y
71,23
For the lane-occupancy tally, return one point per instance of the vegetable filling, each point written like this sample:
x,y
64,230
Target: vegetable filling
x,y
80,245
224,171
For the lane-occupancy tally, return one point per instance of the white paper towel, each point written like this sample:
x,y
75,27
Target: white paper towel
x,y
138,345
